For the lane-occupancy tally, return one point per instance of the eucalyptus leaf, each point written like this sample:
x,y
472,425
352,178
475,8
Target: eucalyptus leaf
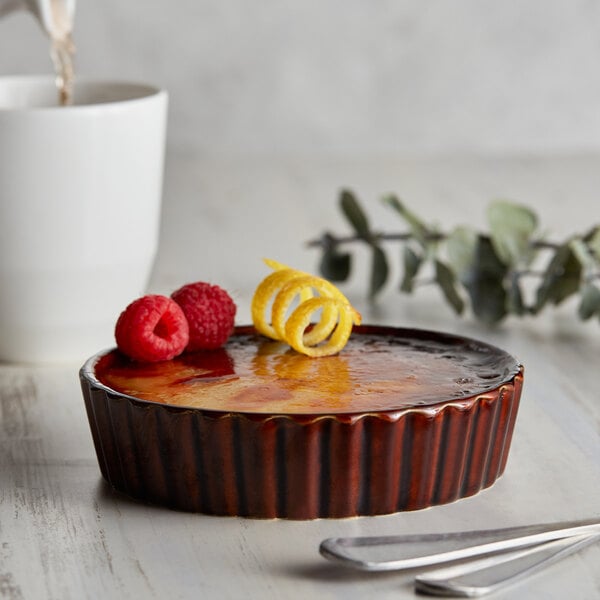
x,y
447,281
484,282
417,227
412,263
335,265
379,271
561,279
593,242
515,303
590,302
461,246
486,260
511,228
488,299
355,214
582,252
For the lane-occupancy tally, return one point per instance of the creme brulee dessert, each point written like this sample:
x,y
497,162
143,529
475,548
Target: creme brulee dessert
x,y
291,417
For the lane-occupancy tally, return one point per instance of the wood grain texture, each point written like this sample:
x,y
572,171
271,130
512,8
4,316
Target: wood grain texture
x,y
65,535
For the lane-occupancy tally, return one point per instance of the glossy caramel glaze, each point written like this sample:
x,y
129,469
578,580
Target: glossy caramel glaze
x,y
379,369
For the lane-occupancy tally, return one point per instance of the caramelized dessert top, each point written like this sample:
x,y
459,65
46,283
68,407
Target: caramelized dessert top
x,y
380,369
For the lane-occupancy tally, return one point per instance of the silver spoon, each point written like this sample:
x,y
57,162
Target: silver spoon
x,y
483,576
400,552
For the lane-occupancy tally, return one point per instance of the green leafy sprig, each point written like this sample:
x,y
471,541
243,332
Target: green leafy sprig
x,y
493,271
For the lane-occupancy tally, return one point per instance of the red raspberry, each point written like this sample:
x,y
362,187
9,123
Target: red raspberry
x,y
210,312
151,329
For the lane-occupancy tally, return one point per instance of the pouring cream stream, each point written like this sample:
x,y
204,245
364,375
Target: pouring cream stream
x,y
56,18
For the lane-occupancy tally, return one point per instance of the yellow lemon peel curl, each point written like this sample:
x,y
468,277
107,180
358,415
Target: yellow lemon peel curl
x,y
314,295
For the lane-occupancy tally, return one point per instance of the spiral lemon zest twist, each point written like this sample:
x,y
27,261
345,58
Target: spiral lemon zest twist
x,y
280,289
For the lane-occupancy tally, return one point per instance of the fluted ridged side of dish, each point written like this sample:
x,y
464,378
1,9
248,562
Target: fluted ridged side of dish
x,y
301,466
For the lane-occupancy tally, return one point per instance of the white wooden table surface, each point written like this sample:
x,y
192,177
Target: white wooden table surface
x,y
64,534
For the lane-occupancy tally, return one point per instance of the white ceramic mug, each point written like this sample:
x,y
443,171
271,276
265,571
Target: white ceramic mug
x,y
80,201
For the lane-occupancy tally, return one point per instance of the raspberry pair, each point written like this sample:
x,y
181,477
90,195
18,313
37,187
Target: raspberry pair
x,y
198,316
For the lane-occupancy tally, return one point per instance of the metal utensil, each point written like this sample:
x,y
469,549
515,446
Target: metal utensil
x,y
481,576
400,552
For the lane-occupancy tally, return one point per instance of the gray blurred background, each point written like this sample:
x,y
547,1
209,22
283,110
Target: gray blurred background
x,y
276,104
347,77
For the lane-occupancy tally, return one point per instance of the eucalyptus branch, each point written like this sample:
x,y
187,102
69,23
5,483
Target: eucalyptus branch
x,y
483,268
328,239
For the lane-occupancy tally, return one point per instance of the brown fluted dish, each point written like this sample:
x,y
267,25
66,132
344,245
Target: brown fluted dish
x,y
401,419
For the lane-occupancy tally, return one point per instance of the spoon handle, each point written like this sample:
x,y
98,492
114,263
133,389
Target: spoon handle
x,y
390,553
486,575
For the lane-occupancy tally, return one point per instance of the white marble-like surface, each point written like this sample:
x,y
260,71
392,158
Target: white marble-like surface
x,y
66,536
